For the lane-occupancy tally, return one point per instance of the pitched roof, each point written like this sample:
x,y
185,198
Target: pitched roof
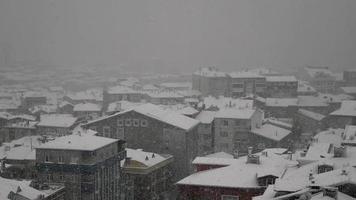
x,y
87,107
158,113
312,115
239,174
57,120
281,102
206,117
348,108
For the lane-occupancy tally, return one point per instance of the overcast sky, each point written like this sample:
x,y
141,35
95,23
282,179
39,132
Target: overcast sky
x,y
178,35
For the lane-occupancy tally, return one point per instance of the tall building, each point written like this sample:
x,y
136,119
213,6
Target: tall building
x,y
87,165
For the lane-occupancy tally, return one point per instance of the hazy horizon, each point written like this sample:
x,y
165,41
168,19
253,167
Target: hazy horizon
x,y
178,36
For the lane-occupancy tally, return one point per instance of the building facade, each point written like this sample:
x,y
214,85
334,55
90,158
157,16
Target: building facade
x,y
88,166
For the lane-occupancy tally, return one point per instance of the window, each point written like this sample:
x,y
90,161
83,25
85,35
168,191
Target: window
x,y
238,123
236,85
106,130
120,133
120,122
61,177
136,123
127,122
225,122
224,134
229,197
47,158
60,159
144,123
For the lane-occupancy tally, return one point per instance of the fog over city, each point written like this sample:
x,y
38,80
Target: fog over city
x,y
177,99
178,36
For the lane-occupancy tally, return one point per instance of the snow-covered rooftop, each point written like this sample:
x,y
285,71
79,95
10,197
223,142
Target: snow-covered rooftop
x,y
348,108
312,115
311,101
271,132
235,113
10,185
281,79
121,90
210,72
223,102
281,102
144,159
166,116
245,74
158,113
332,136
79,142
350,135
57,120
349,90
239,174
206,117
87,107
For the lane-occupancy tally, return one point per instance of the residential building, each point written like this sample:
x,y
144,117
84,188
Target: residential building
x,y
87,111
240,179
210,81
87,165
154,129
320,77
56,124
232,127
146,175
246,83
350,90
345,115
270,136
281,86
310,122
205,132
22,190
120,93
13,131
31,99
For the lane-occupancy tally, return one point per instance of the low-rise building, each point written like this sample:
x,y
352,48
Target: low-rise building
x,y
87,111
210,81
232,127
281,86
16,189
246,83
56,124
241,178
146,175
345,115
